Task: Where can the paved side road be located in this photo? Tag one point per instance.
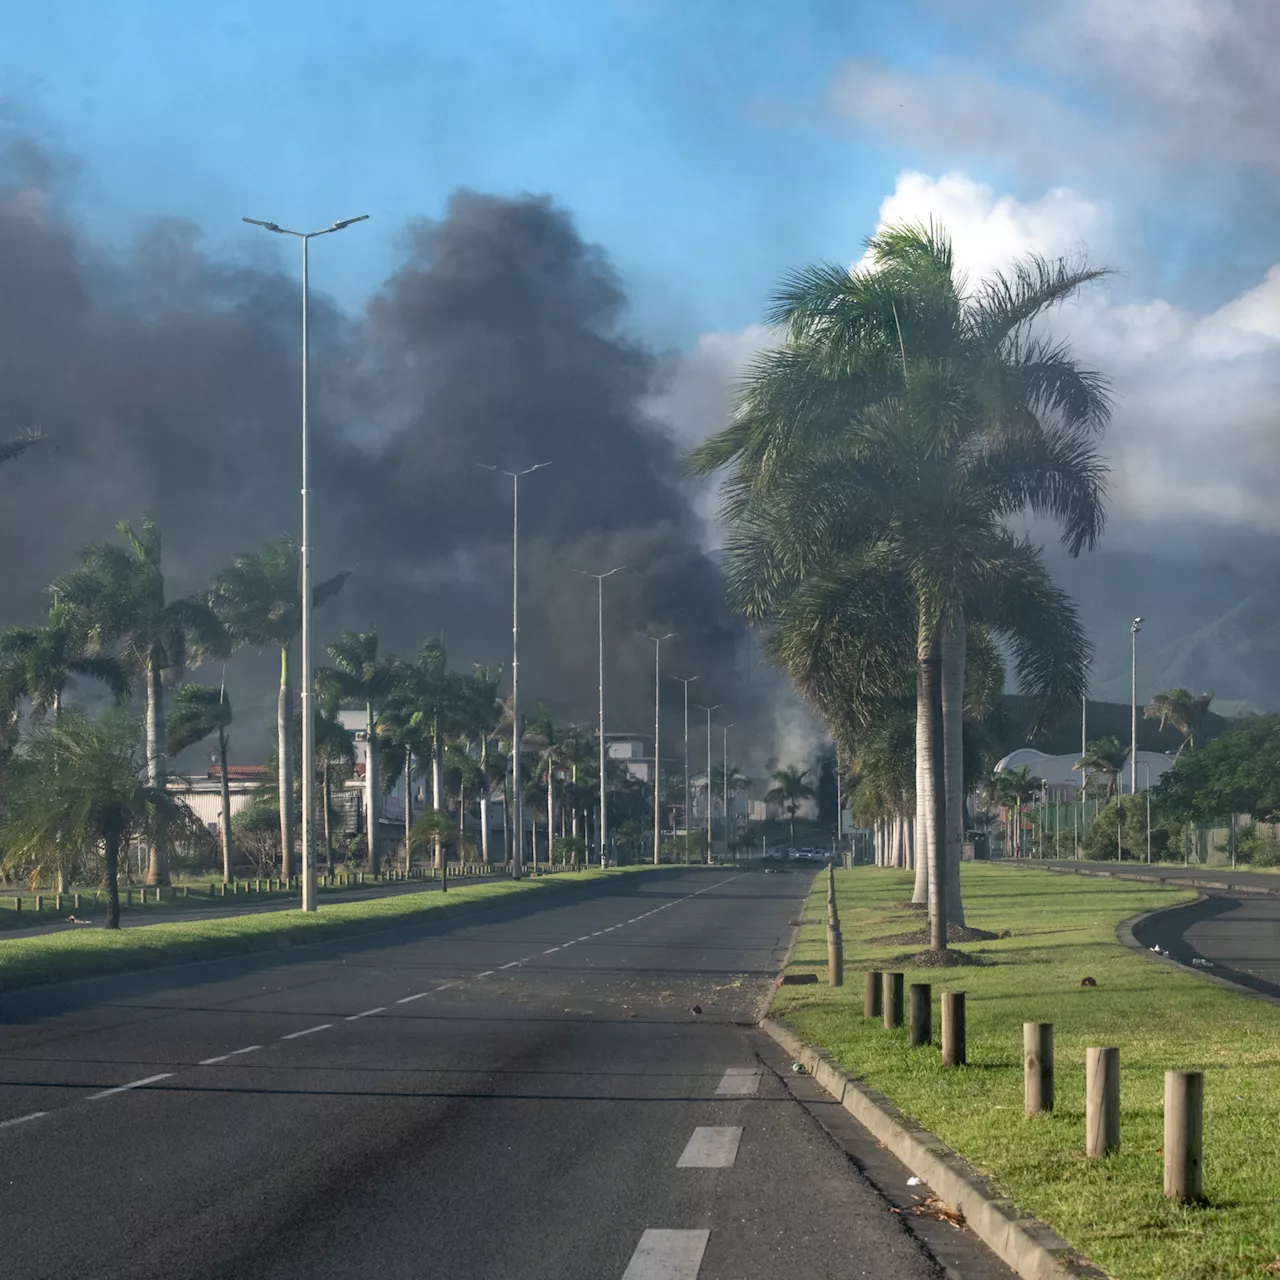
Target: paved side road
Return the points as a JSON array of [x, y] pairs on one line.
[[565, 1090]]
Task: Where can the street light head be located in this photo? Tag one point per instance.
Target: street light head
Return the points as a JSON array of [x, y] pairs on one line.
[[346, 222], [1137, 625], [257, 222]]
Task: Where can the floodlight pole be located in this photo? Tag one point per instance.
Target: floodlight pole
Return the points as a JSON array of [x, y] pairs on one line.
[[657, 739], [686, 684], [1133, 750], [709, 710], [604, 816]]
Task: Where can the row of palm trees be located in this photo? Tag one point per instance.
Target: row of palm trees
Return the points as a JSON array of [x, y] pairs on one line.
[[876, 464]]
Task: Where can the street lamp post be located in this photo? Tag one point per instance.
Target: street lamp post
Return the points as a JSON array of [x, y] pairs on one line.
[[686, 684], [304, 555], [1146, 764], [657, 741], [1084, 717], [709, 710], [517, 797], [600, 577], [1133, 749], [725, 783]]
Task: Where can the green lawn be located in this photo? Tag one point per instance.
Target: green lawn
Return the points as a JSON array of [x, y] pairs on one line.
[[1162, 1018], [87, 953]]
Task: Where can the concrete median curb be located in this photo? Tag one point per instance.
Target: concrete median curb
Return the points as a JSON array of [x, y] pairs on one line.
[[1020, 1241]]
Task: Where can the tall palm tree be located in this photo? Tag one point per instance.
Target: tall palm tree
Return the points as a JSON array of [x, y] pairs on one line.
[[1185, 711], [546, 736], [118, 594], [363, 675], [259, 601], [404, 735], [42, 661], [904, 422], [481, 714], [99, 795], [199, 710], [790, 790], [1105, 756], [335, 760]]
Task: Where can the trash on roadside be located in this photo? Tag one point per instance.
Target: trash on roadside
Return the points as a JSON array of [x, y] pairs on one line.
[[1202, 964], [697, 1008], [913, 1181], [798, 1068]]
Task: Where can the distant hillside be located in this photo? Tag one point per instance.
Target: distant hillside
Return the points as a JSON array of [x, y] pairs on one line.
[[1105, 718]]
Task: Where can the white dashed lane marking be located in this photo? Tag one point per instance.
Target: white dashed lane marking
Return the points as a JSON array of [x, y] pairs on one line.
[[133, 1084], [235, 1053], [512, 965], [488, 973], [34, 1115], [711, 1147], [368, 1013], [296, 1035], [667, 1255], [739, 1082]]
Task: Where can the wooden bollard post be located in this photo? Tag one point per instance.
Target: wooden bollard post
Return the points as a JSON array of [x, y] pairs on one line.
[[871, 1000], [1102, 1101], [75, 902], [892, 1000], [835, 958], [953, 1038], [920, 1014], [1183, 1134], [1037, 1067]]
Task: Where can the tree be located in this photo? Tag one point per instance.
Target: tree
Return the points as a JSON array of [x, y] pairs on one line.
[[335, 760], [885, 447], [1185, 711], [1238, 772], [259, 601], [1012, 788], [118, 595], [790, 790], [42, 661], [480, 714], [1105, 756], [85, 784], [363, 675], [199, 710]]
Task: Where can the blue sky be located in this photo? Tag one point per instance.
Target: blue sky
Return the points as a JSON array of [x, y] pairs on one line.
[[694, 141]]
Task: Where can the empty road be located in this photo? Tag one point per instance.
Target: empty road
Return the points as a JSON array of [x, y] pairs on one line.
[[525, 1092]]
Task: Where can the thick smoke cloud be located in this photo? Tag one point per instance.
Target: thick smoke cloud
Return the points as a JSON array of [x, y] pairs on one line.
[[169, 380]]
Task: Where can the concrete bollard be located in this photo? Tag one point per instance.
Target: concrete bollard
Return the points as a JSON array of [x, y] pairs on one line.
[[1037, 1067], [871, 1000], [835, 958], [1183, 1134], [75, 902], [17, 903], [57, 902], [920, 1014], [1102, 1101], [39, 903], [892, 1000], [186, 891], [954, 1050]]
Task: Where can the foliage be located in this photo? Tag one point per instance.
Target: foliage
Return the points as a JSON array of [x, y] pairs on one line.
[[1123, 821], [1185, 711], [40, 662], [256, 831], [1105, 757], [1238, 772]]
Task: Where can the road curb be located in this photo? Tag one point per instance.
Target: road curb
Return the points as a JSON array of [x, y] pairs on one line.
[[1217, 886], [1022, 1242]]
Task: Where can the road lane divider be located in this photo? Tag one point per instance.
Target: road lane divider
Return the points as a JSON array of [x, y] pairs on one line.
[[222, 1057], [711, 1147], [667, 1255], [309, 1031], [368, 1013], [33, 1115], [133, 1084]]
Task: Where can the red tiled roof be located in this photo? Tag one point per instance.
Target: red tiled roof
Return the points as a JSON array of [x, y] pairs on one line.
[[240, 771]]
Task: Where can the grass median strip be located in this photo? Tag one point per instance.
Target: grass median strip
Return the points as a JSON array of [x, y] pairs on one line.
[[1062, 930], [56, 957]]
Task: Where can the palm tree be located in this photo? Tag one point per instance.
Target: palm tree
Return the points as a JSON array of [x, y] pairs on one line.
[[118, 595], [41, 661], [259, 601], [790, 790], [199, 710], [885, 447], [547, 738], [1185, 711], [335, 759], [1105, 756], [10, 449], [86, 784], [480, 714], [361, 674]]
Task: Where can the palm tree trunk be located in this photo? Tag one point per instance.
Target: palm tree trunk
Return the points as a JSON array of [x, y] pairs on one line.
[[371, 786], [506, 830], [574, 832], [112, 843], [920, 893], [435, 784], [485, 788], [326, 799], [911, 841], [551, 808], [284, 764], [157, 863], [226, 806], [929, 709], [953, 665], [408, 808]]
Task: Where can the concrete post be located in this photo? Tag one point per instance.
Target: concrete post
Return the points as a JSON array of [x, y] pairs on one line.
[[1102, 1101], [920, 1014], [871, 1000], [892, 1000], [835, 958], [1037, 1067]]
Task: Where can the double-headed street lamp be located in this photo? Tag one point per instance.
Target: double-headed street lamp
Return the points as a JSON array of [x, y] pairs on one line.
[[600, 577], [517, 792], [686, 682], [304, 554], [657, 740], [709, 710]]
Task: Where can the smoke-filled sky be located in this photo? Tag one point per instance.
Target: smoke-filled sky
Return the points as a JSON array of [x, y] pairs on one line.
[[681, 158]]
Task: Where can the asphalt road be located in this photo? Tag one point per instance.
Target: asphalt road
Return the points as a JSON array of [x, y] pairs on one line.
[[523, 1092]]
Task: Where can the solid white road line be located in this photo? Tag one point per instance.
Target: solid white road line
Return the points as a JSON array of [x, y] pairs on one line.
[[549, 950], [739, 1082], [711, 1147], [488, 973], [208, 1062], [512, 965], [667, 1255], [294, 1035], [368, 1013], [133, 1084], [34, 1115]]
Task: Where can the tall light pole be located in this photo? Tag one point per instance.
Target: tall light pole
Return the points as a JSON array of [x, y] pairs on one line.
[[604, 817], [725, 782], [304, 555], [709, 710], [686, 684], [1146, 764], [657, 740], [517, 795], [1133, 750], [1084, 717]]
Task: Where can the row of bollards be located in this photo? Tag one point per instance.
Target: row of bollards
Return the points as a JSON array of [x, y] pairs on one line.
[[882, 998]]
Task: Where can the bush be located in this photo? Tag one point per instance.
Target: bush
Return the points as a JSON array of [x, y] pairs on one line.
[[1258, 848]]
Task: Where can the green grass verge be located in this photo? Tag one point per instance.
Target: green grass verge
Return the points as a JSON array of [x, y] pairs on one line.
[[1162, 1018], [92, 952]]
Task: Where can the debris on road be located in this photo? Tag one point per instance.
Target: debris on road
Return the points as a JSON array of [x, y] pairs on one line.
[[798, 1068], [913, 1181]]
